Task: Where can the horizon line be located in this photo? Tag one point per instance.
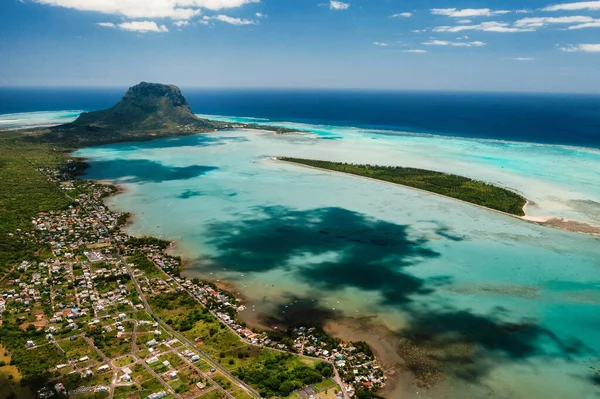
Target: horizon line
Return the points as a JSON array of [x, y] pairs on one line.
[[292, 88]]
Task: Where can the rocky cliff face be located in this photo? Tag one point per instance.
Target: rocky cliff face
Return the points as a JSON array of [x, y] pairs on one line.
[[150, 106]]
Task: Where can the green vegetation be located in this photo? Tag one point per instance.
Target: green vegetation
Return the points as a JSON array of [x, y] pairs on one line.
[[142, 263], [368, 395], [274, 379], [34, 364], [459, 187], [172, 301], [272, 373], [325, 385], [147, 241], [24, 192]]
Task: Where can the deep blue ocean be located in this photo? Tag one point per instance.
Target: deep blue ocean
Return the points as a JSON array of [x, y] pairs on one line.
[[544, 118]]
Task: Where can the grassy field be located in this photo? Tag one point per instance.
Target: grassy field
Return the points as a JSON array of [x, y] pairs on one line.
[[325, 385], [214, 394], [10, 378], [458, 187]]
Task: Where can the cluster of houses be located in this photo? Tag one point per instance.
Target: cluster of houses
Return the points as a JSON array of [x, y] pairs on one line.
[[357, 368]]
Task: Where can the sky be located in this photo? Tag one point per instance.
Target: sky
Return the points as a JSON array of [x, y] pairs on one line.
[[466, 45]]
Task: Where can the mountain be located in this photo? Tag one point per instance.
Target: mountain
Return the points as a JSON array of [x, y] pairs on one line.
[[147, 111], [146, 106]]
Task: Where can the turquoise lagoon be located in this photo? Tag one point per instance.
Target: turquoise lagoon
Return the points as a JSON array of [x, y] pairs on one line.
[[303, 243]]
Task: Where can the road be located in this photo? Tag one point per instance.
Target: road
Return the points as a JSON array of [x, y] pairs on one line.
[[183, 339], [338, 380]]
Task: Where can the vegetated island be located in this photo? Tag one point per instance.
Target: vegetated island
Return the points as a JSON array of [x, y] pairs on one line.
[[449, 185]]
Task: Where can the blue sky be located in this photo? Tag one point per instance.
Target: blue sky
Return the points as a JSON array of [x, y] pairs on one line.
[[525, 45]]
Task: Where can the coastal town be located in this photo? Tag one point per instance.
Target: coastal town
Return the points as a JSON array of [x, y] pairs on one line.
[[108, 315]]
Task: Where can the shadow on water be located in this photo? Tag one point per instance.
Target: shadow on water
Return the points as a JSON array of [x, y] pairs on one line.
[[199, 140], [332, 249], [297, 311], [143, 171], [190, 194]]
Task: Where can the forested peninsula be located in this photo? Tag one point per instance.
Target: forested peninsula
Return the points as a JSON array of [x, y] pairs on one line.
[[449, 185]]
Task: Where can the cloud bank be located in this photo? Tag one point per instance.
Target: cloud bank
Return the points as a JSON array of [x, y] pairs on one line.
[[585, 48], [174, 9]]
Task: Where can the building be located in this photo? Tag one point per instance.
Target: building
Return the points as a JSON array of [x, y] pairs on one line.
[[157, 395]]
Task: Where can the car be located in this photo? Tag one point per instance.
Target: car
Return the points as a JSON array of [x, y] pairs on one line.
[[213, 370]]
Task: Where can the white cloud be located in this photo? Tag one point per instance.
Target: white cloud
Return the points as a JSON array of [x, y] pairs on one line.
[[593, 24], [338, 5], [467, 12], [522, 59], [464, 21], [453, 44], [418, 30], [232, 20], [175, 9], [582, 5], [415, 51], [402, 14], [586, 48], [136, 26], [181, 24], [491, 26], [380, 44], [260, 15], [543, 21]]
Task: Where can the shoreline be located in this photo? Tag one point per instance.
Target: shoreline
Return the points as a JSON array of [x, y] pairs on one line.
[[551, 222]]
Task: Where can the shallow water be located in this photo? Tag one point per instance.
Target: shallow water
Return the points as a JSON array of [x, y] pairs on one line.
[[524, 299], [36, 119]]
